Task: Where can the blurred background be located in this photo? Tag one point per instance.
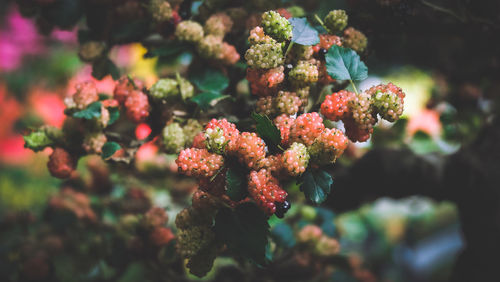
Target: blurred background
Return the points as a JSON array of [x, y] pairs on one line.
[[426, 208]]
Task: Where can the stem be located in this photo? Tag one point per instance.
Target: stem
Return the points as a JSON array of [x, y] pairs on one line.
[[289, 48], [320, 21], [353, 86], [444, 10]]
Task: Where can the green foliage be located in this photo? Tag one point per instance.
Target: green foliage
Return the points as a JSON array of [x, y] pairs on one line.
[[345, 64], [244, 230], [92, 111], [109, 149], [209, 80], [283, 235], [303, 32], [37, 140], [267, 131], [236, 181], [206, 99], [316, 185], [114, 114]]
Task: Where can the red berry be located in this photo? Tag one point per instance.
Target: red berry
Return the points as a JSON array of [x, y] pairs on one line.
[[329, 145], [326, 41], [354, 132], [335, 107], [124, 86], [284, 122], [221, 135], [161, 236], [265, 190], [199, 162], [137, 106], [306, 128], [61, 164]]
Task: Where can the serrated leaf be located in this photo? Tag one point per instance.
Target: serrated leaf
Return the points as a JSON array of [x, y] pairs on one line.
[[244, 230], [209, 80], [92, 111], [114, 114], [345, 64], [282, 234], [303, 32], [109, 149], [267, 131], [316, 185], [37, 141], [205, 99], [236, 181]]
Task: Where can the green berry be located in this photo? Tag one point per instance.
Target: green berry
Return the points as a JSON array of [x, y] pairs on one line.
[[276, 26], [304, 74], [191, 129], [189, 31], [161, 10], [218, 24], [264, 56], [296, 159], [336, 21], [211, 47], [355, 40], [287, 103], [173, 138], [164, 88], [186, 88]]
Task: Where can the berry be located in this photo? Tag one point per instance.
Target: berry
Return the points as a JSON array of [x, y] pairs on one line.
[[361, 107], [156, 216], [306, 128], [296, 159], [284, 123], [199, 162], [218, 24], [329, 145], [304, 74], [282, 208], [355, 40], [310, 233], [276, 26], [300, 52], [164, 88], [264, 56], [86, 94], [265, 190], [93, 142], [326, 41], [199, 141], [161, 236], [265, 82], [284, 13], [287, 103], [273, 164], [91, 51], [327, 246], [354, 132], [185, 88], [189, 31], [211, 47], [229, 54], [251, 150], [336, 106], [161, 10], [137, 106], [324, 77], [221, 136], [265, 106], [336, 21], [204, 201], [388, 100], [173, 138], [215, 186], [303, 94], [61, 164], [257, 36], [124, 86], [192, 129]]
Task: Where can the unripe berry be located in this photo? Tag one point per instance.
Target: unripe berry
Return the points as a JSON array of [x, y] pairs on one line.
[[355, 40], [86, 94], [265, 106], [191, 129], [124, 86], [218, 24], [284, 123], [329, 145], [276, 26], [327, 246], [310, 234], [211, 47], [93, 142], [361, 107], [193, 239], [173, 138], [388, 101], [199, 162], [296, 159], [257, 36], [354, 132], [61, 164], [90, 51], [251, 150], [303, 94], [160, 10], [137, 106], [221, 136], [306, 128], [300, 52], [287, 103], [336, 21], [164, 88], [264, 56], [304, 74], [189, 31], [336, 106]]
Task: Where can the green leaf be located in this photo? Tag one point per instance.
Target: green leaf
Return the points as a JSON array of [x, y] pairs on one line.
[[282, 234], [171, 49], [268, 131], [345, 64], [316, 185], [236, 181], [303, 32], [114, 114], [244, 230], [103, 67], [109, 149], [37, 141], [209, 80], [92, 111], [205, 99]]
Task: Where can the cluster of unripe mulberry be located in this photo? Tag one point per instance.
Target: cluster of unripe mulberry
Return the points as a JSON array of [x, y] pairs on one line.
[[281, 73]]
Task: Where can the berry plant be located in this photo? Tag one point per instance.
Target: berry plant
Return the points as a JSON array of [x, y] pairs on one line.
[[246, 149]]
